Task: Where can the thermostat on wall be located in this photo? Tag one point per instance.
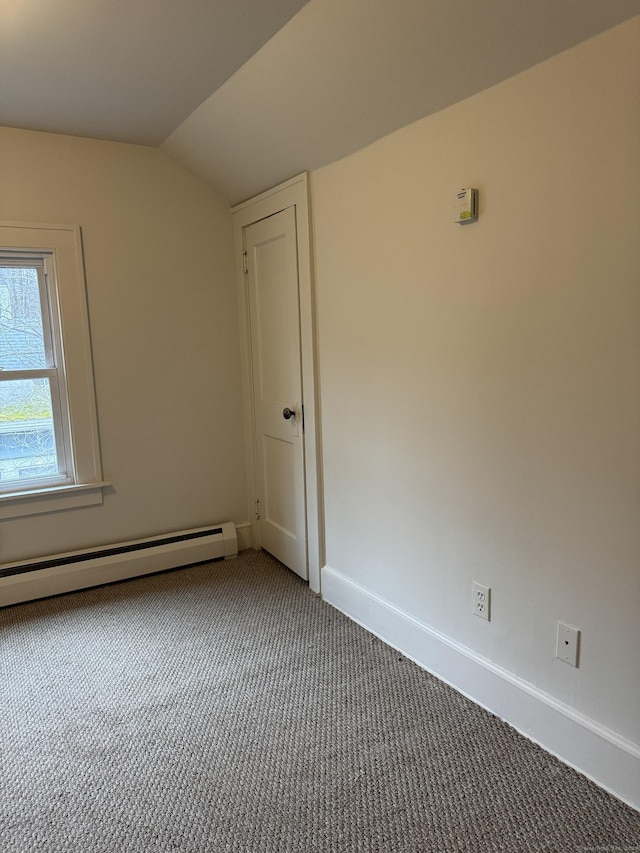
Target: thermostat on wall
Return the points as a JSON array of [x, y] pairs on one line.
[[466, 206]]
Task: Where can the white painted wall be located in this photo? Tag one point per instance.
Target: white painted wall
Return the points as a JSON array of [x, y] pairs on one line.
[[162, 303], [481, 385]]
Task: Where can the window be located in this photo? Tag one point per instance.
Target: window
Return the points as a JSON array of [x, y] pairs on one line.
[[33, 429], [49, 456]]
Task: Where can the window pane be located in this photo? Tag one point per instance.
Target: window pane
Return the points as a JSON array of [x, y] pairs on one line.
[[21, 335], [27, 444]]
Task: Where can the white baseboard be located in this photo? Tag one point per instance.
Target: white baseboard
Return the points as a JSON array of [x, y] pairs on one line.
[[605, 757]]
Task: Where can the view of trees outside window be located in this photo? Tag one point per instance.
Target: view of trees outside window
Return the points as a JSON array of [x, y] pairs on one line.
[[27, 444]]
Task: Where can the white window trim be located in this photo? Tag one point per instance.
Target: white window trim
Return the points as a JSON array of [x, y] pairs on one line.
[[64, 241]]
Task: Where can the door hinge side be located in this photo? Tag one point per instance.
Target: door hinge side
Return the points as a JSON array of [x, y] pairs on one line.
[[257, 502], [245, 266]]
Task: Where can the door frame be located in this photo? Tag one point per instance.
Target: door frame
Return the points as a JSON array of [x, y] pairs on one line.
[[291, 193]]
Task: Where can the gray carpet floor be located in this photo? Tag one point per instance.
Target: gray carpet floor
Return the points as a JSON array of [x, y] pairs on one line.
[[225, 707]]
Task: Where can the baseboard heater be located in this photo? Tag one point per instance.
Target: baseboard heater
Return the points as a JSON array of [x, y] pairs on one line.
[[60, 573]]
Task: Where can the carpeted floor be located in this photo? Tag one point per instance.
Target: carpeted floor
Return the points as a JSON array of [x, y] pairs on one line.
[[224, 707]]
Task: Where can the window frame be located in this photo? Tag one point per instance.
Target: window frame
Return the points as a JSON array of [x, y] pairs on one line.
[[43, 264], [75, 414]]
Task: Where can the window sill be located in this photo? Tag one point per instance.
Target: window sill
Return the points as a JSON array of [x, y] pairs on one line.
[[51, 499]]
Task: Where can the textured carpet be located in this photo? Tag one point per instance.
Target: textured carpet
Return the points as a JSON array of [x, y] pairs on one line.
[[224, 707]]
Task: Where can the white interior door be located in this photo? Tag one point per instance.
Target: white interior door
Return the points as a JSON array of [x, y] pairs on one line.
[[271, 265]]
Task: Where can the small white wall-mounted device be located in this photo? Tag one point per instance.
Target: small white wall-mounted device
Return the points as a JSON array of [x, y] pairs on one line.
[[466, 206], [567, 642]]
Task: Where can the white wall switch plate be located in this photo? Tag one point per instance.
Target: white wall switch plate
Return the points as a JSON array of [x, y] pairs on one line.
[[567, 642]]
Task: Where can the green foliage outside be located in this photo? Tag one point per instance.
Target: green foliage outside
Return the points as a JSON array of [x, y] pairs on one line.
[[26, 412]]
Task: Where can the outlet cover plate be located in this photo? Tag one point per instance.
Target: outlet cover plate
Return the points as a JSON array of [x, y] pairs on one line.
[[481, 605], [567, 642]]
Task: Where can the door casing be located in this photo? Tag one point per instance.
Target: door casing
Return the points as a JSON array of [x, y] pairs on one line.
[[292, 193]]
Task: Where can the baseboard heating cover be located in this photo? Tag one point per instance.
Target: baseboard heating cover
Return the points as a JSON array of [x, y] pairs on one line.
[[39, 578]]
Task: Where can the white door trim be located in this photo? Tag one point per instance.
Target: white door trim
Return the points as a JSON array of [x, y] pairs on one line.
[[292, 193]]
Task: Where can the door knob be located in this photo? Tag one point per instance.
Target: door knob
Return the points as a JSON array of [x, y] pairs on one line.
[[288, 413]]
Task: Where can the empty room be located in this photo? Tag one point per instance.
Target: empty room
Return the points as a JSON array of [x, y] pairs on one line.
[[320, 426]]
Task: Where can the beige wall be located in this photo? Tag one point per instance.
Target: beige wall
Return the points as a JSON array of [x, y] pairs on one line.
[[480, 384], [162, 303]]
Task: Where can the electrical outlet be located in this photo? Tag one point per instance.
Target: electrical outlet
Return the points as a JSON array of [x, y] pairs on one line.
[[567, 642], [482, 600]]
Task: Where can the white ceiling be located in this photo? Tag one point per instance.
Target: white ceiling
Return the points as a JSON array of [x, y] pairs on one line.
[[244, 99], [127, 70]]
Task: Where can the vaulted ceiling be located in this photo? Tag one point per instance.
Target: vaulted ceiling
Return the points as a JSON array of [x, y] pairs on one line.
[[246, 93], [125, 70]]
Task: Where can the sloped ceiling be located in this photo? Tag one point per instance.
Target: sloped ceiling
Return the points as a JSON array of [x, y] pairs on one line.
[[344, 73], [125, 70], [246, 93]]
